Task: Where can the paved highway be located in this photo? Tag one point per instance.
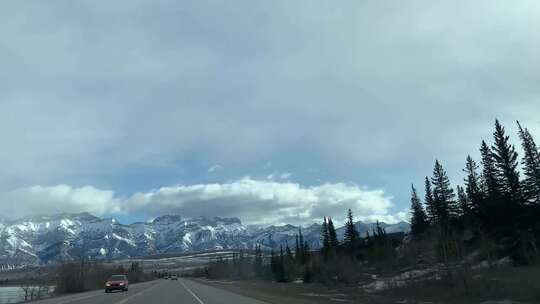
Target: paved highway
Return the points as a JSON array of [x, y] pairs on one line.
[[157, 292]]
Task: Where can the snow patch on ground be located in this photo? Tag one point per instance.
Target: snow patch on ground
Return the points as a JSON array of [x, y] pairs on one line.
[[402, 279]]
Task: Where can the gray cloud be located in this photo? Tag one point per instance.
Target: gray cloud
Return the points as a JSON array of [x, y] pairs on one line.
[[91, 90]]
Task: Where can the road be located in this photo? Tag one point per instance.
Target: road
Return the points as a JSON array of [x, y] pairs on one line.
[[159, 292]]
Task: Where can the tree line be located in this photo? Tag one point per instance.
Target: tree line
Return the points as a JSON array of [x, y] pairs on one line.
[[335, 261], [81, 276], [499, 200], [495, 212]]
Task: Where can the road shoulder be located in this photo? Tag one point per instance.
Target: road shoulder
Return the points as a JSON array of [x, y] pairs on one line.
[[291, 293]]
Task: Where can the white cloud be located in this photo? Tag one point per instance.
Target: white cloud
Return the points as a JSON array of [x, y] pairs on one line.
[[57, 199], [253, 201], [214, 168], [275, 175], [285, 175], [266, 201]]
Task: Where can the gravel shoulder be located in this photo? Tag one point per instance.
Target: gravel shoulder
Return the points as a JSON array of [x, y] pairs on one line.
[[292, 293]]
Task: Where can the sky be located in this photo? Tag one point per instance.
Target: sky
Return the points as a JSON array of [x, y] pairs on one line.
[[270, 111]]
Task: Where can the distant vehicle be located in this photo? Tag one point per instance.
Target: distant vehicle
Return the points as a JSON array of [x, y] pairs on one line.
[[117, 282], [174, 277]]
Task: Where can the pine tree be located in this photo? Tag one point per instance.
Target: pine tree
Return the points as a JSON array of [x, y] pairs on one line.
[[306, 251], [281, 269], [302, 252], [473, 185], [325, 240], [297, 252], [334, 243], [506, 163], [288, 251], [419, 222], [489, 173], [443, 195], [258, 265], [274, 264], [431, 210], [464, 204], [531, 166], [351, 234]]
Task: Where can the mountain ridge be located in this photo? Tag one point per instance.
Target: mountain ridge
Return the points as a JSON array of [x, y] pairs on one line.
[[49, 239]]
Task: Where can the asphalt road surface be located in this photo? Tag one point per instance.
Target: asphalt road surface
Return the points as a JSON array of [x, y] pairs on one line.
[[157, 292]]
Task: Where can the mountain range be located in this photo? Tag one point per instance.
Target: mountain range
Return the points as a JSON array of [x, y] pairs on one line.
[[48, 239]]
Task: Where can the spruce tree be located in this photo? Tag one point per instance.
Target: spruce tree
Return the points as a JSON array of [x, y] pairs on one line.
[[489, 173], [506, 163], [306, 252], [473, 185], [464, 204], [431, 210], [288, 252], [258, 265], [419, 222], [297, 250], [443, 195], [325, 240], [281, 275], [334, 243], [303, 252], [351, 234], [531, 166]]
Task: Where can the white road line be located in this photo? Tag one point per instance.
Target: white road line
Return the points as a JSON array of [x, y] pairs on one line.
[[123, 301], [192, 293]]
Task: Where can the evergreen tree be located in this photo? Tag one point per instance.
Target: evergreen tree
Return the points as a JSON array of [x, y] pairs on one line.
[[306, 252], [506, 163], [325, 240], [473, 185], [274, 267], [489, 173], [334, 243], [430, 202], [302, 252], [297, 250], [419, 222], [288, 252], [282, 271], [351, 234], [443, 195], [258, 264], [531, 166], [464, 204]]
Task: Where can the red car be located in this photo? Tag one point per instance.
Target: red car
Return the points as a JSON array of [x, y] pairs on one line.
[[117, 282]]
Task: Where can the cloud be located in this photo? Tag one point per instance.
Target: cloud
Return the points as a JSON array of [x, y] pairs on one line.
[[285, 175], [214, 168], [364, 91], [39, 200], [274, 175], [253, 201]]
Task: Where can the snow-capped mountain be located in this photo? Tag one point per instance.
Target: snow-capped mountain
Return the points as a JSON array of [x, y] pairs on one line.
[[49, 239]]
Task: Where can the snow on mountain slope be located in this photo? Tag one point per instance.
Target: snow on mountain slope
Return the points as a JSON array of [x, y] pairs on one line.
[[49, 239]]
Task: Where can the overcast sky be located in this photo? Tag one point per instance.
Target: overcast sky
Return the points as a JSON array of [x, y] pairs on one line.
[[270, 111]]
